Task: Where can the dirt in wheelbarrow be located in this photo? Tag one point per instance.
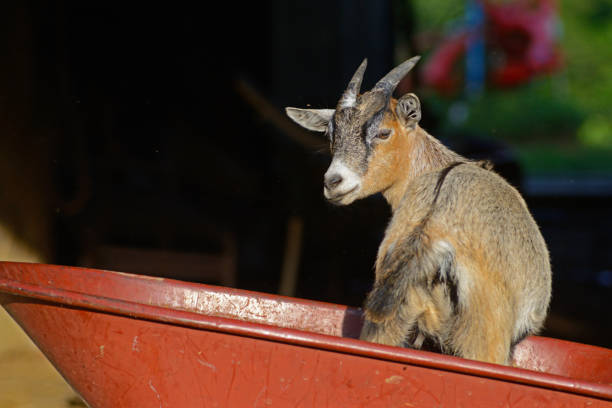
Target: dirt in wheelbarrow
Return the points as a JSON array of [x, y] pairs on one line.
[[27, 378]]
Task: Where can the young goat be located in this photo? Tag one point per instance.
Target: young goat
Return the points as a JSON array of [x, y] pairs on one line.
[[463, 268]]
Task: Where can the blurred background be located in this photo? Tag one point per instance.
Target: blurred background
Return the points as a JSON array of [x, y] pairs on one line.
[[151, 139]]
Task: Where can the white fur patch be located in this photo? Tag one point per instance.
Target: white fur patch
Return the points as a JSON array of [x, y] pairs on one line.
[[462, 275], [443, 246], [351, 182], [444, 252]]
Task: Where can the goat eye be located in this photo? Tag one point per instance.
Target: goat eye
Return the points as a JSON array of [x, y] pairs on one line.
[[384, 134]]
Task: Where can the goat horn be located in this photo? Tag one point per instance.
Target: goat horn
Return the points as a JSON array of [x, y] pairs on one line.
[[350, 94], [388, 83]]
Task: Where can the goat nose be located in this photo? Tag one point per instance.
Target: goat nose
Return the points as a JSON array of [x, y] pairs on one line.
[[332, 181]]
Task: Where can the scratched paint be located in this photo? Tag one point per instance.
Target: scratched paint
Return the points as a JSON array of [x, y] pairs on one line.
[[156, 393], [179, 366], [135, 344], [394, 379], [206, 364], [279, 312]]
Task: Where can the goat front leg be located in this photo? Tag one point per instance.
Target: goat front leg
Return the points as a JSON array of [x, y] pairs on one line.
[[391, 332], [392, 308]]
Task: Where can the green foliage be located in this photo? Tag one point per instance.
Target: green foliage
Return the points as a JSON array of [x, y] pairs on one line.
[[532, 113], [596, 131], [570, 112], [546, 159], [587, 45], [435, 15]]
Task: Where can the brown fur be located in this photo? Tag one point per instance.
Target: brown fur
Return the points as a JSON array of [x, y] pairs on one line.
[[500, 256], [462, 268]]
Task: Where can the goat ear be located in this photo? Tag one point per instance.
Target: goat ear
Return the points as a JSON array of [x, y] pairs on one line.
[[311, 119], [408, 109]]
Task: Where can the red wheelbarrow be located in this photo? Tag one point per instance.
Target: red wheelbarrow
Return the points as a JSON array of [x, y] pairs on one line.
[[126, 340]]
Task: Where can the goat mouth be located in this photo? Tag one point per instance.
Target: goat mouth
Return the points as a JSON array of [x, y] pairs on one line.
[[337, 199]]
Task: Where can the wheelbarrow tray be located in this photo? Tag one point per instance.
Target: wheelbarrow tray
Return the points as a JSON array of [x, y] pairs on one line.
[[123, 340]]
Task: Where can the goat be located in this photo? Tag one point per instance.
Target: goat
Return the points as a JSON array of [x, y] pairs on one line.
[[463, 268]]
